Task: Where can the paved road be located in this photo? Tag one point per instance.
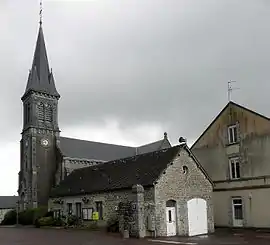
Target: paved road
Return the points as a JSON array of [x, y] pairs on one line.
[[33, 236]]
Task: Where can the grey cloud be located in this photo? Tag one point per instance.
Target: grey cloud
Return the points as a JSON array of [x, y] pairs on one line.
[[140, 62]]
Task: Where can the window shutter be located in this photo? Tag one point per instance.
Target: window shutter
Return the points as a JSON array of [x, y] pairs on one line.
[[40, 112], [48, 113]]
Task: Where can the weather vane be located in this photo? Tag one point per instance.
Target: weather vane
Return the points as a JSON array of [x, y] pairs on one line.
[[40, 12]]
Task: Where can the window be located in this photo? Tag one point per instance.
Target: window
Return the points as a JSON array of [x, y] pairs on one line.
[[78, 209], [40, 112], [48, 113], [232, 134], [237, 208], [57, 213], [185, 169], [87, 213], [234, 168], [99, 209], [27, 113], [69, 208], [170, 216]]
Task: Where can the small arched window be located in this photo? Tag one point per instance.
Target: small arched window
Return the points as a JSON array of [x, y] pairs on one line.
[[40, 111], [185, 170], [48, 113]]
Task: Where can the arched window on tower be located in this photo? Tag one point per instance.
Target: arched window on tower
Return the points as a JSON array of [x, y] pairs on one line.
[[48, 113], [40, 111]]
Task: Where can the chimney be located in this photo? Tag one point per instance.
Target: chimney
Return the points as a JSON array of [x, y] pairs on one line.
[[165, 135], [182, 141]]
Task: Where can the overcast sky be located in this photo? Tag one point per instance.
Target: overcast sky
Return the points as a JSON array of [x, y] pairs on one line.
[[129, 70]]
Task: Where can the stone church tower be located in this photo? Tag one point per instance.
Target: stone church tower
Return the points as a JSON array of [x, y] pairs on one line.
[[40, 133]]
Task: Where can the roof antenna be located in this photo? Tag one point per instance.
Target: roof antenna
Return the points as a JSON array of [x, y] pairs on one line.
[[230, 89], [40, 12]]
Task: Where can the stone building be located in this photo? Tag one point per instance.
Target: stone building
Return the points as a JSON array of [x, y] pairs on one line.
[[169, 190], [234, 150], [7, 203], [46, 157]]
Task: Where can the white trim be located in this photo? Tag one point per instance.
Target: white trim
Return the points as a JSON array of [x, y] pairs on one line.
[[232, 160], [240, 224], [231, 141]]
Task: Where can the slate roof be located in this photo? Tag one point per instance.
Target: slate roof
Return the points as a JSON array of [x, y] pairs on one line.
[[83, 149], [8, 202], [142, 169], [40, 78]]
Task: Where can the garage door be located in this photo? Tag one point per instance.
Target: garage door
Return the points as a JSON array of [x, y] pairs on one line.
[[197, 217]]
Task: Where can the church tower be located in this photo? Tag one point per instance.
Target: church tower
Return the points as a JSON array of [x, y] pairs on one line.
[[40, 133]]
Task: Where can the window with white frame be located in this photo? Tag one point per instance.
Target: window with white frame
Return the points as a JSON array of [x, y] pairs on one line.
[[87, 213], [234, 168], [232, 134]]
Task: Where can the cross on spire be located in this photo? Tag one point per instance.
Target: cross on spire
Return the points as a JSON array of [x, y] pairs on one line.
[[40, 12]]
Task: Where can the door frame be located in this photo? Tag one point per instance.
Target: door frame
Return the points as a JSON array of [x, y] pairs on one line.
[[233, 212], [171, 205], [195, 201]]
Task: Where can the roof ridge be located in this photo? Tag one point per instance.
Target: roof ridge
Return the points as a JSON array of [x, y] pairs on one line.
[[128, 158], [97, 142], [217, 116]]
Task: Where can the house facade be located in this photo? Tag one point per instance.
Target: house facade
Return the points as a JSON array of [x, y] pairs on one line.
[[171, 193], [234, 150]]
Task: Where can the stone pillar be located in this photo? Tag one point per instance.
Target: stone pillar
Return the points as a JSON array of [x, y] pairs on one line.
[[138, 226]]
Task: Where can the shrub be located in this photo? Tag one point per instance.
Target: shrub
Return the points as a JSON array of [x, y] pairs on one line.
[[10, 218], [26, 217], [45, 221], [30, 216], [72, 220], [58, 222], [113, 225]]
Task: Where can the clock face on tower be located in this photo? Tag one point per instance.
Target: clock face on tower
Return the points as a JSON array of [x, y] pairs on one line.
[[45, 142]]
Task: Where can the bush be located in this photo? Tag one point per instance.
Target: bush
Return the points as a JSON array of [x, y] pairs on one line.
[[72, 220], [26, 217], [113, 225], [58, 222], [30, 216], [45, 221], [10, 218]]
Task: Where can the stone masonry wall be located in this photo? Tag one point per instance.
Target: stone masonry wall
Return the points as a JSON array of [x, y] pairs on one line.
[[176, 185], [110, 202]]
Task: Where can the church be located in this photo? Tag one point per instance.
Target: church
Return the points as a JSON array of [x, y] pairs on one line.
[[47, 158]]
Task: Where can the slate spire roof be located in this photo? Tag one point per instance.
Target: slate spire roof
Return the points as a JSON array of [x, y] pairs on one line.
[[40, 78]]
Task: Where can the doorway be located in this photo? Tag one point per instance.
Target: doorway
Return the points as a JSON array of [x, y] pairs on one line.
[[197, 217], [171, 217], [237, 212]]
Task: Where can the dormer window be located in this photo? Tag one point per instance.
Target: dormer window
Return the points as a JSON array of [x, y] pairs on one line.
[[232, 134]]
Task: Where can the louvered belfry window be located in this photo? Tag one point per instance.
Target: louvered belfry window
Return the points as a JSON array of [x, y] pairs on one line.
[[48, 113], [41, 112]]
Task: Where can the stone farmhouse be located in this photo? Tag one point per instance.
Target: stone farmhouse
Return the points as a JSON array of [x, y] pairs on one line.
[[171, 193], [234, 150]]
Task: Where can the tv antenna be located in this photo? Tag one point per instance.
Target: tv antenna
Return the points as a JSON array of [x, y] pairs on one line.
[[230, 89]]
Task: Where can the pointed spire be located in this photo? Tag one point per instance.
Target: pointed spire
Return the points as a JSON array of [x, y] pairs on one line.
[[40, 13], [40, 77]]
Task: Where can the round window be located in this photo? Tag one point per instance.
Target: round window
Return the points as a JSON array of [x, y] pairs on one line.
[[185, 169]]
